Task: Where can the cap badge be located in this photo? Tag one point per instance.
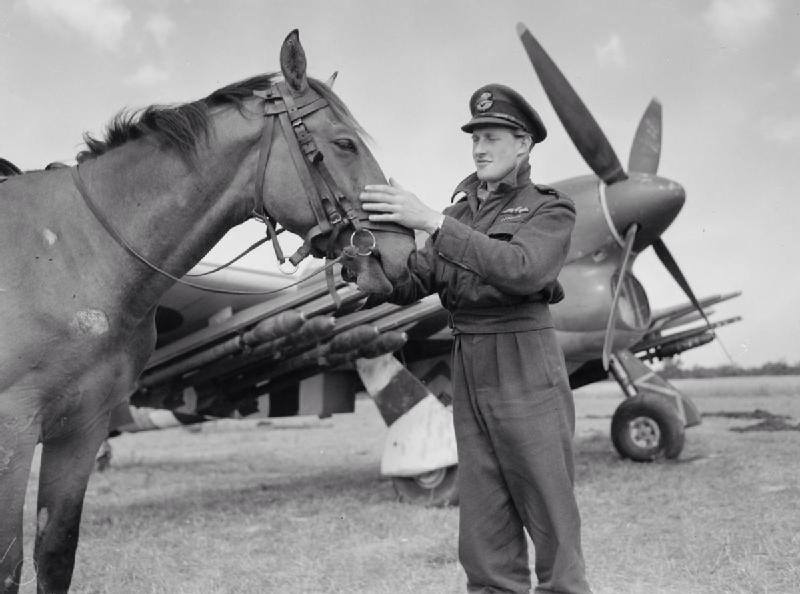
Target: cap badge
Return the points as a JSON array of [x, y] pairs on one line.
[[484, 102]]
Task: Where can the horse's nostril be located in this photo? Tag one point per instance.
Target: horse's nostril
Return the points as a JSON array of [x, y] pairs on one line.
[[349, 275]]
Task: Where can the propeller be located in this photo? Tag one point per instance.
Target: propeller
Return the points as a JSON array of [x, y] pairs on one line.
[[582, 128], [672, 266], [594, 147]]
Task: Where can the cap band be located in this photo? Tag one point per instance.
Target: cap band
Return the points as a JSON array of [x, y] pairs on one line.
[[500, 116]]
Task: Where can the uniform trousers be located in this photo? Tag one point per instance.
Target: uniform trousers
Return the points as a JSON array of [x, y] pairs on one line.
[[514, 419]]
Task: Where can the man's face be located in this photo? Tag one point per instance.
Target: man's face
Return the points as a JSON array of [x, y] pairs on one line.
[[496, 151]]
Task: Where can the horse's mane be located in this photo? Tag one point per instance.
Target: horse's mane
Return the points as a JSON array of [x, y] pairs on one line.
[[179, 127]]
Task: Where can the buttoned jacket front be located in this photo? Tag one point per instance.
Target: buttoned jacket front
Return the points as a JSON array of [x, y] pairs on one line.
[[495, 259]]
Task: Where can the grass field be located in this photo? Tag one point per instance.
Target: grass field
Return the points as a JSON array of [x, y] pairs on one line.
[[297, 505]]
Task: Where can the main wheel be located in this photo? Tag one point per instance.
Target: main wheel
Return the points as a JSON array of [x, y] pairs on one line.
[[645, 428], [437, 488]]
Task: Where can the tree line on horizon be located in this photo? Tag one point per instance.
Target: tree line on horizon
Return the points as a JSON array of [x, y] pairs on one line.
[[673, 369]]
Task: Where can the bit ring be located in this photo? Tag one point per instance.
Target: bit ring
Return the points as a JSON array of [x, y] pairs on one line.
[[370, 248]]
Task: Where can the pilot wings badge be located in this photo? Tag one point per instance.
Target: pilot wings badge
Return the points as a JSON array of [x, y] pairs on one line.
[[516, 210]]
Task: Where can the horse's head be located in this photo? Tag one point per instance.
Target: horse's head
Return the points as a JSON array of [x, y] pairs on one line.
[[313, 165]]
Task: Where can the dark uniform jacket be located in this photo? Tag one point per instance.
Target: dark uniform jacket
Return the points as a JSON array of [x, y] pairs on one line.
[[494, 262]]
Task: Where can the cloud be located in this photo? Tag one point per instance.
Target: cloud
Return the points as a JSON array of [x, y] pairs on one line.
[[146, 76], [781, 129], [796, 71], [103, 21], [160, 26], [612, 53], [738, 21]]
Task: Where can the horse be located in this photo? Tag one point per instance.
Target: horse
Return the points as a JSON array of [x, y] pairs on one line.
[[87, 252]]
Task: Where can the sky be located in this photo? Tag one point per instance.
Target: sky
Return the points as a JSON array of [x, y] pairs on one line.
[[726, 71]]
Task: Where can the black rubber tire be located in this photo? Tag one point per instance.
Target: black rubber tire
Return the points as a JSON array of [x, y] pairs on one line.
[[434, 489], [645, 428]]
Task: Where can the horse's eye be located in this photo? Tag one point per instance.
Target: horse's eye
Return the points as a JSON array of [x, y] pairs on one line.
[[346, 145]]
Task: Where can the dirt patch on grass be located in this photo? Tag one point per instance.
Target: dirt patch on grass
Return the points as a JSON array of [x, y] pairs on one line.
[[768, 421], [756, 414], [771, 424]]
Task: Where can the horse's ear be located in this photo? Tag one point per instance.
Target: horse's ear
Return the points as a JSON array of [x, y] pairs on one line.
[[332, 79], [293, 63]]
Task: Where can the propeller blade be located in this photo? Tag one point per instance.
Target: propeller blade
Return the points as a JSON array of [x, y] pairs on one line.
[[582, 128], [646, 147], [608, 342], [672, 266]]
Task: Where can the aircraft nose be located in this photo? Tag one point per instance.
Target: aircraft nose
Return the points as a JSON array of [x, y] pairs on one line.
[[651, 201]]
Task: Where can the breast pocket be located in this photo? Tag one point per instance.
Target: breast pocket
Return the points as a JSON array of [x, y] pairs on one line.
[[504, 230]]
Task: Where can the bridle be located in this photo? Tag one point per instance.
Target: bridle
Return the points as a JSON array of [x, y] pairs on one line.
[[332, 208]]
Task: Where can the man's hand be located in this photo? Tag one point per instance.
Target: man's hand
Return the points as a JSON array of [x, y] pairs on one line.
[[395, 204]]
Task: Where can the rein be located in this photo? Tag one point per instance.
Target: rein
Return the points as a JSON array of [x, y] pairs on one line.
[[76, 177], [331, 207]]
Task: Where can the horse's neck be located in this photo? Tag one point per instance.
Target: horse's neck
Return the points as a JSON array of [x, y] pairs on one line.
[[171, 212]]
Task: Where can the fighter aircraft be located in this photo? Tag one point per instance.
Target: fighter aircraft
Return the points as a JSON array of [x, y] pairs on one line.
[[302, 351]]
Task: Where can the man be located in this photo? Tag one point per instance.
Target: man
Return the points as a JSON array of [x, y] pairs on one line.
[[493, 257]]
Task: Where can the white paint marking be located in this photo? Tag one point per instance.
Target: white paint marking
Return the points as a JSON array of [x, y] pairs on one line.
[[422, 440], [49, 237], [378, 372], [89, 322]]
